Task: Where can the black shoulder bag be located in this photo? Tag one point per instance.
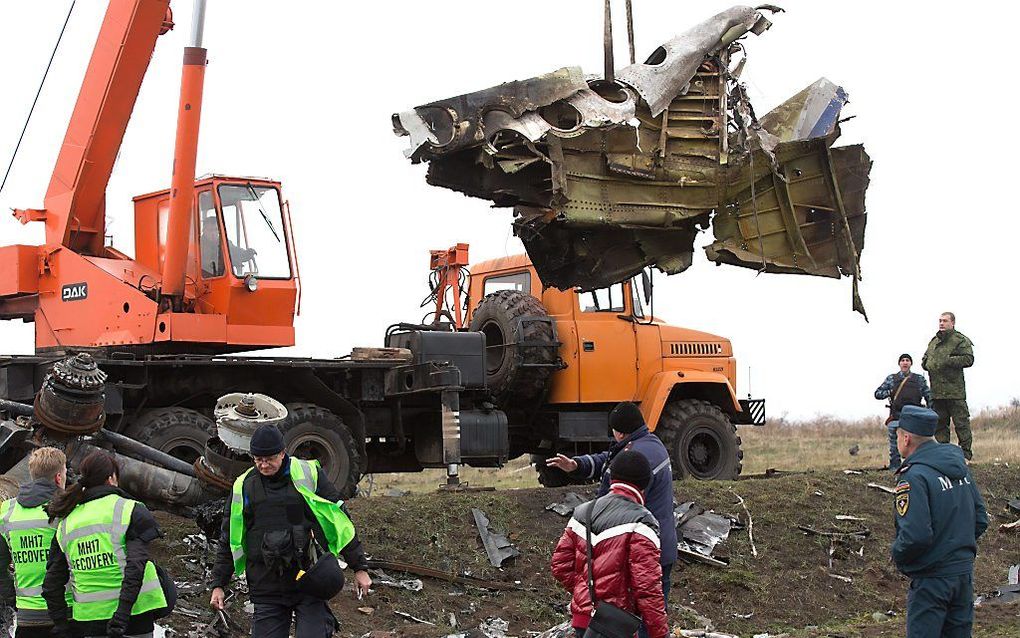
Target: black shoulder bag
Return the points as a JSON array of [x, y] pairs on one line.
[[608, 621]]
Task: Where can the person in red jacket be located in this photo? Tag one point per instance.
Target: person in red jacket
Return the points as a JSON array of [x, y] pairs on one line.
[[625, 548]]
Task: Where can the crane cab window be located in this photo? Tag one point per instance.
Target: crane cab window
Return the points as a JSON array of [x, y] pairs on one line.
[[254, 223], [210, 244], [517, 281], [603, 300]]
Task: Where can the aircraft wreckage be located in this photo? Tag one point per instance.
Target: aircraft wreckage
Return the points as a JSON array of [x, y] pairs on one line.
[[609, 177]]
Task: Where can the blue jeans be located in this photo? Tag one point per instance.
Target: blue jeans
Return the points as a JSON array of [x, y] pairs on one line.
[[666, 570], [894, 454]]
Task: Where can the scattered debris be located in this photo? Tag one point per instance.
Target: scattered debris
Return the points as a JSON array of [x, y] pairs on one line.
[[497, 545], [563, 630], [884, 488], [379, 577], [750, 525], [494, 628], [845, 579], [413, 618], [1010, 527], [418, 570], [566, 508], [701, 633], [700, 532], [852, 472], [859, 534], [702, 621], [1014, 505], [1007, 593], [368, 611], [847, 517], [854, 449]]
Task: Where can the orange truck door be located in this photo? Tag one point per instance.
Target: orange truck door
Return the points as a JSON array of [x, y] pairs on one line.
[[606, 346]]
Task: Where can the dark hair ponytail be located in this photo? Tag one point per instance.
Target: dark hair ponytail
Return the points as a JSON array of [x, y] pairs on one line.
[[93, 471]]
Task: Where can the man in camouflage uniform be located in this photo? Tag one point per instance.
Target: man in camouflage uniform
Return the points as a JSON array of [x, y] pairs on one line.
[[949, 352]]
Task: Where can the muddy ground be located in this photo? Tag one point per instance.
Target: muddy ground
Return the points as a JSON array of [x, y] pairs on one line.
[[789, 587]]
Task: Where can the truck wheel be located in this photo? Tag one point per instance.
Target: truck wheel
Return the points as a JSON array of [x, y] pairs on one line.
[[314, 433], [702, 442], [511, 372], [179, 432], [549, 476]]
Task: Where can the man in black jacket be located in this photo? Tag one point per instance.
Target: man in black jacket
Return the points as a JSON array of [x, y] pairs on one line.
[[279, 528], [901, 388]]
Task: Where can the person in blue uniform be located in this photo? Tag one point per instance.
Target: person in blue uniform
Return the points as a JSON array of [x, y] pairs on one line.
[[939, 516]]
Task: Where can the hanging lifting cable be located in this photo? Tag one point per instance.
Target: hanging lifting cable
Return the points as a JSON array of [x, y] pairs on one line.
[[37, 93]]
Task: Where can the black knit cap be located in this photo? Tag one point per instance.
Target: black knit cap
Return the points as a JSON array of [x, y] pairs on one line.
[[905, 356], [626, 417], [267, 441], [631, 467]]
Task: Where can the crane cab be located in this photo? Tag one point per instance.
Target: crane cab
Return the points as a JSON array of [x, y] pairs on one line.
[[241, 288]]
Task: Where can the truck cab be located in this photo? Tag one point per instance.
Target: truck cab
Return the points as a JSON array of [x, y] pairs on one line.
[[611, 349]]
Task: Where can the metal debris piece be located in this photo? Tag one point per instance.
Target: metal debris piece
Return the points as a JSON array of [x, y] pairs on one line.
[[379, 577], [847, 517], [497, 545], [750, 524], [368, 611], [563, 630], [701, 532], [852, 472], [1014, 505], [566, 508], [845, 579], [1008, 593], [607, 178], [884, 488], [494, 628], [413, 618], [859, 534], [410, 568]]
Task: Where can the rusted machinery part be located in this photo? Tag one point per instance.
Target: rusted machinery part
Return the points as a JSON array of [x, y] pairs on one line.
[[153, 485], [239, 414], [131, 446], [71, 399], [220, 466], [61, 415], [15, 409], [210, 478]]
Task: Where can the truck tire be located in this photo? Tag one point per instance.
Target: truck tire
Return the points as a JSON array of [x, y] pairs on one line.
[[314, 433], [514, 374], [549, 476], [702, 442], [179, 432]]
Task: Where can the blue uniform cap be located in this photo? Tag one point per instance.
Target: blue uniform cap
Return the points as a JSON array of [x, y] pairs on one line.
[[918, 420]]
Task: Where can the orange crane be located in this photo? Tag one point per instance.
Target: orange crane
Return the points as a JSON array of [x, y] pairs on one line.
[[214, 268]]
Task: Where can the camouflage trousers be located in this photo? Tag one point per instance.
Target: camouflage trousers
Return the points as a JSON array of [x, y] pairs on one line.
[[955, 409]]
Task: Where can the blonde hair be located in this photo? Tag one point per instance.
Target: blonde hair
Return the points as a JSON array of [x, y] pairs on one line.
[[46, 462]]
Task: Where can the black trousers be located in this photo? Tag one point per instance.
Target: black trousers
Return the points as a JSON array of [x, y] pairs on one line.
[[30, 631], [311, 616]]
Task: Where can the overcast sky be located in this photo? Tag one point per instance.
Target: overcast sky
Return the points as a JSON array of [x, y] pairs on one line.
[[303, 92]]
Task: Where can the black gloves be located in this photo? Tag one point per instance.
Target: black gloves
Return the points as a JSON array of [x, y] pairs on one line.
[[118, 624]]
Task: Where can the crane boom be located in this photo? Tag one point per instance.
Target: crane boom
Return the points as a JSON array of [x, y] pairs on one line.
[[75, 202]]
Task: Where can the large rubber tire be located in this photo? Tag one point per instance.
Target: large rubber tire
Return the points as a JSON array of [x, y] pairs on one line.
[[497, 318], [179, 432], [315, 433], [701, 440], [549, 476]]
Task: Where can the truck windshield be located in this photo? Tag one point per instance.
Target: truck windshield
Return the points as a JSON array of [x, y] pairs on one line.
[[254, 225]]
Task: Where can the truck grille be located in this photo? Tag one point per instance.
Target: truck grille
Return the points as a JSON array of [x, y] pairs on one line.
[[695, 349]]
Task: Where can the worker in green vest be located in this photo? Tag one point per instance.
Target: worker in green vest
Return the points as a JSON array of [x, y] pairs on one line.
[[25, 537], [101, 546], [281, 517]]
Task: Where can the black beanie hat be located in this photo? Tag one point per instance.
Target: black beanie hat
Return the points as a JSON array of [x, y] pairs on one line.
[[631, 467], [266, 441], [905, 356], [626, 417]]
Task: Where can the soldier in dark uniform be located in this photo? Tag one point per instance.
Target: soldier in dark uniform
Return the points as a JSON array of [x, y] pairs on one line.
[[949, 352], [901, 388], [939, 516]]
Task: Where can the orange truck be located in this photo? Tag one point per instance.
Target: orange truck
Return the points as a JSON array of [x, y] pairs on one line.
[[557, 361], [215, 272]]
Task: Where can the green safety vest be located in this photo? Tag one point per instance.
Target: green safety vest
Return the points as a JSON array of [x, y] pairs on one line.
[[337, 527], [29, 534], [93, 538]]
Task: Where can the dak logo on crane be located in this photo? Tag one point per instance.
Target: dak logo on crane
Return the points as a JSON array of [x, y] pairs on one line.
[[74, 292]]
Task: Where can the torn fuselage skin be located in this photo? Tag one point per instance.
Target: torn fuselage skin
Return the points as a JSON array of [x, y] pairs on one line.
[[608, 178]]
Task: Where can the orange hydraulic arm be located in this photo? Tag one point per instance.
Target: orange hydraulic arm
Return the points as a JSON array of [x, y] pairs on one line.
[[75, 203]]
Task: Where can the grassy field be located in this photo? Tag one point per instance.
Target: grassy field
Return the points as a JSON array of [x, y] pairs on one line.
[[820, 443]]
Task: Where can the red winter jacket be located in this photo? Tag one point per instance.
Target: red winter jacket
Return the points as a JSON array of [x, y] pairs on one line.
[[625, 541]]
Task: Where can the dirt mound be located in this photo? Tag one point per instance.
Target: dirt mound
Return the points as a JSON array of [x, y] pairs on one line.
[[789, 587]]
